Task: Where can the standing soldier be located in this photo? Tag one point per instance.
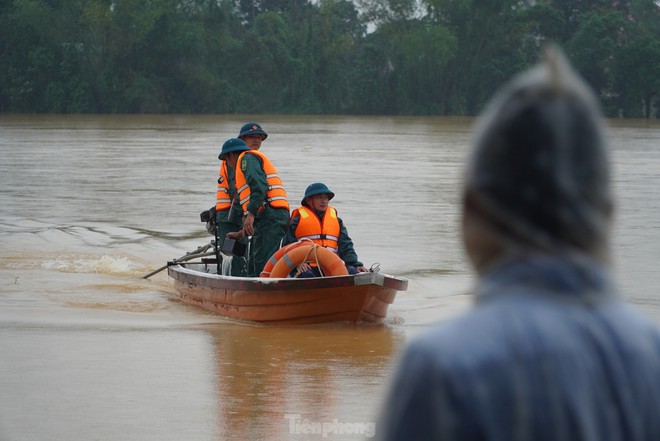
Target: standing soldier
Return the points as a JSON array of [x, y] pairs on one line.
[[253, 135], [263, 203], [229, 216]]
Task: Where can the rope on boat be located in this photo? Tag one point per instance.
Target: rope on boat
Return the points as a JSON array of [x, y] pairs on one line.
[[316, 260]]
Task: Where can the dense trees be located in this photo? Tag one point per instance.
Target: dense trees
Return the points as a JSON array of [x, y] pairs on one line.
[[430, 57]]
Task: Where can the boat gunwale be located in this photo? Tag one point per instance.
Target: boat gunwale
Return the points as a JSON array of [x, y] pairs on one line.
[[178, 271]]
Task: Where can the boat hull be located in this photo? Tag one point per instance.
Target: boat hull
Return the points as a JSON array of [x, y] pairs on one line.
[[363, 297]]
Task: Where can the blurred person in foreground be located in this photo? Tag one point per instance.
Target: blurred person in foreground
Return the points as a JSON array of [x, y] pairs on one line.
[[550, 350]]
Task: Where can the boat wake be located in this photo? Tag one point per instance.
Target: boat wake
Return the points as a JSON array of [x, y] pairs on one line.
[[73, 263], [103, 265], [428, 272], [100, 248]]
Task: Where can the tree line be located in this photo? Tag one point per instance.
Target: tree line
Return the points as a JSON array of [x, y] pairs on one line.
[[393, 57]]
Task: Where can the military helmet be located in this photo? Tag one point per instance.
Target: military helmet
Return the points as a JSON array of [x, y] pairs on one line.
[[232, 145], [317, 188], [252, 128]]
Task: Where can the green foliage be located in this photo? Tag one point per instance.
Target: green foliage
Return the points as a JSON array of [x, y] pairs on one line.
[[370, 81], [417, 57], [636, 73], [593, 47]]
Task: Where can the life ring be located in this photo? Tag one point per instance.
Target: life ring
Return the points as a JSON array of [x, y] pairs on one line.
[[331, 264], [278, 255]]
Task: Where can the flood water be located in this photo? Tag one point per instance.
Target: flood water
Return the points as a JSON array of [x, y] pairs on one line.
[[89, 204]]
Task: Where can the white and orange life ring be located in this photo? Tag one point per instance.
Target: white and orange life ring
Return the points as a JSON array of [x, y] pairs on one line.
[[329, 262], [278, 255]]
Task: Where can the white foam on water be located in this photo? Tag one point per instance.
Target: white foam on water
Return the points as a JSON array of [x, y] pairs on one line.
[[103, 265]]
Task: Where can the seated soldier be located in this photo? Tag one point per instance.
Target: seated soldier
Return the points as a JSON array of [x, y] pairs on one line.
[[318, 221]]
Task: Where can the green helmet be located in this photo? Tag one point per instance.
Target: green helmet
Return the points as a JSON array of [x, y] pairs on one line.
[[317, 188], [232, 145], [252, 128]]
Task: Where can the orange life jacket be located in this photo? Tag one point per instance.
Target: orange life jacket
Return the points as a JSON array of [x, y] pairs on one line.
[[223, 198], [324, 232], [275, 196]]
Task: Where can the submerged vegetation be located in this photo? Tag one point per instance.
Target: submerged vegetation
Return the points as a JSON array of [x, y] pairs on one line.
[[399, 57]]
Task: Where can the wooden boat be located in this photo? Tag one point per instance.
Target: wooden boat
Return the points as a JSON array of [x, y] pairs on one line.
[[363, 297]]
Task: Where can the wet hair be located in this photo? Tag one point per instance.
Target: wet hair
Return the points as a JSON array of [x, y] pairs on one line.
[[538, 172]]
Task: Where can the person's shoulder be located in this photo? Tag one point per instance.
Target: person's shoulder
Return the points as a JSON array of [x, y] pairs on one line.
[[628, 319], [467, 339], [249, 155], [452, 334], [250, 160], [334, 210]]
